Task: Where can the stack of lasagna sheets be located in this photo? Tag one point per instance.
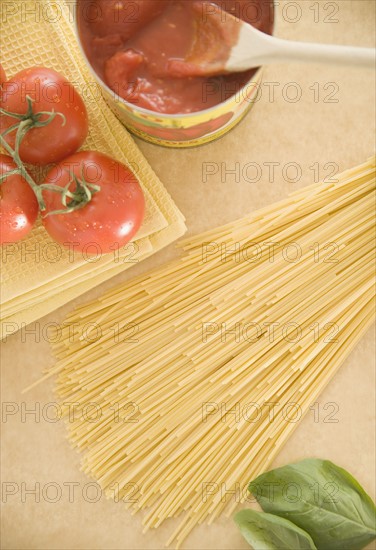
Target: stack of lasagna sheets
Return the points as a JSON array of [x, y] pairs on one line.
[[38, 275]]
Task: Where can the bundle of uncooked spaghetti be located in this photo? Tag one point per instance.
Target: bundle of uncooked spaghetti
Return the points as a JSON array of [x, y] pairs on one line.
[[261, 311]]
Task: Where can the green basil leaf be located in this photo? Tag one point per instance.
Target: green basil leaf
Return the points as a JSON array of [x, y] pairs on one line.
[[321, 498], [268, 532]]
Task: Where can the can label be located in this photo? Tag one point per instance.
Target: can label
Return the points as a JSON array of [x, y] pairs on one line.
[[189, 130]]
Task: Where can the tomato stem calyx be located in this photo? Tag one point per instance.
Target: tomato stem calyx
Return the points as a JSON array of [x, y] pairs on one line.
[[78, 198], [33, 118]]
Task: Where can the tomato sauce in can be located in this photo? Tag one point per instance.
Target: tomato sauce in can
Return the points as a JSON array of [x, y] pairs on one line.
[[128, 44]]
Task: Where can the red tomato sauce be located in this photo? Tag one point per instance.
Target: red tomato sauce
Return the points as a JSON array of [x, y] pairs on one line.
[[129, 43]]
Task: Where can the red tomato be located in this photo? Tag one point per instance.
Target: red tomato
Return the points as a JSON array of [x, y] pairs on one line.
[[50, 92], [18, 204], [110, 219], [3, 76]]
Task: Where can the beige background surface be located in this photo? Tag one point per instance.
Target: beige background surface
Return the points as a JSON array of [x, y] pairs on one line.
[[305, 133]]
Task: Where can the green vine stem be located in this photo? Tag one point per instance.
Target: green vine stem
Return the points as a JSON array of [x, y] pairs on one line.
[[21, 167], [84, 191]]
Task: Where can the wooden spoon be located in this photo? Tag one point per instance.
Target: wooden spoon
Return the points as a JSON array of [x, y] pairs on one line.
[[223, 44]]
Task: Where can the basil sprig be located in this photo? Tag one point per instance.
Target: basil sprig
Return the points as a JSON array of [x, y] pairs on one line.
[[322, 499], [268, 532]]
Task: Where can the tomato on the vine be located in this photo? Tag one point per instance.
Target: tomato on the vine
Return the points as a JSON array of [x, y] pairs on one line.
[[18, 204], [114, 213], [50, 92]]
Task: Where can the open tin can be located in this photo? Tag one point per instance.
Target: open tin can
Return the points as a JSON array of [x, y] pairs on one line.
[[183, 130]]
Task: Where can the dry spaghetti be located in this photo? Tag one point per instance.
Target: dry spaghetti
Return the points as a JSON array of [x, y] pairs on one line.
[[263, 310]]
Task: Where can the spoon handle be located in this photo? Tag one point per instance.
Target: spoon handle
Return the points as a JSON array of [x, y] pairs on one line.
[[286, 50]]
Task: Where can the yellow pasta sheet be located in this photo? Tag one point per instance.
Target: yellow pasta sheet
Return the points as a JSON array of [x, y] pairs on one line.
[[35, 272]]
